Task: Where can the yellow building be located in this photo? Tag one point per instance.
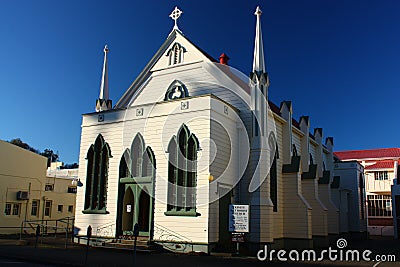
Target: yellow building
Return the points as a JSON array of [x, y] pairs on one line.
[[27, 194]]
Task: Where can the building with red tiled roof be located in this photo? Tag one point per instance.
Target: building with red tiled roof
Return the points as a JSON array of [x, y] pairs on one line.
[[369, 154], [380, 167]]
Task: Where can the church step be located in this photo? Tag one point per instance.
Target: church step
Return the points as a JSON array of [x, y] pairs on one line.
[[127, 245], [124, 247], [140, 240], [142, 246], [129, 237]]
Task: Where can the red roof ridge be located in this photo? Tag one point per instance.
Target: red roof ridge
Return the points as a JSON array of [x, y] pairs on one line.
[[377, 153], [372, 149]]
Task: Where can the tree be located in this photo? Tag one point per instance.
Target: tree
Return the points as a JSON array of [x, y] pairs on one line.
[[20, 143], [70, 166], [50, 155]]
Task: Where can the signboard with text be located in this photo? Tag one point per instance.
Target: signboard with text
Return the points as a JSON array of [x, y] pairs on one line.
[[239, 218], [238, 237]]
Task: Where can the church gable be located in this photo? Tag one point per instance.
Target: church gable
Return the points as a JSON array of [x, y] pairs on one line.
[[180, 51], [176, 52]]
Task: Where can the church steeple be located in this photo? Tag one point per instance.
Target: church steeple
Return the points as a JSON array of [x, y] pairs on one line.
[[103, 103], [259, 87], [258, 60]]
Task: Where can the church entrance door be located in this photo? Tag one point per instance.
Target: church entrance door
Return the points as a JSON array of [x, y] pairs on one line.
[[137, 208]]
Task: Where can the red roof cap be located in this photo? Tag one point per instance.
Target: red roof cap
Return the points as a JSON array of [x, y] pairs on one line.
[[223, 59]]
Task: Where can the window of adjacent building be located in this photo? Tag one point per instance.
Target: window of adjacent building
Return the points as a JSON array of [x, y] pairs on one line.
[[379, 206], [60, 208], [70, 208], [16, 207], [97, 176], [182, 172], [12, 209], [49, 187], [72, 189], [7, 209], [35, 207], [381, 175], [47, 208]]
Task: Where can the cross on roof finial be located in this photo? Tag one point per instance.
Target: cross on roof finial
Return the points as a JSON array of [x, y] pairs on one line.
[[258, 11], [176, 13]]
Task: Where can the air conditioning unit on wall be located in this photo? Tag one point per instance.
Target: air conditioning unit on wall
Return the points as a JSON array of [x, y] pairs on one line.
[[22, 195]]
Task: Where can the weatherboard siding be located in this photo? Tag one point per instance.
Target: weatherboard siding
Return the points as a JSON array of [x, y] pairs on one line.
[[297, 221], [319, 211]]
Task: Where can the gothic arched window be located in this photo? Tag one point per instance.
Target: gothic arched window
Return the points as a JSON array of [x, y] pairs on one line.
[[124, 171], [97, 176], [148, 162], [136, 154], [176, 90], [182, 173], [175, 54], [273, 172]]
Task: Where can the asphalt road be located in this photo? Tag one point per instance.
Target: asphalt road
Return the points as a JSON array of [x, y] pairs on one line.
[[18, 263]]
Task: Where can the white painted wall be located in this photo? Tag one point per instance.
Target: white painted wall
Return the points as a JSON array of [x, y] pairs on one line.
[[349, 181]]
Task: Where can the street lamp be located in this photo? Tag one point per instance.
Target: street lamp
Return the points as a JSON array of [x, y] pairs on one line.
[[77, 182]]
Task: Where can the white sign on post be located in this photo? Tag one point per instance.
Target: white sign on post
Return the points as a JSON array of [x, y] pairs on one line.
[[239, 218], [128, 208]]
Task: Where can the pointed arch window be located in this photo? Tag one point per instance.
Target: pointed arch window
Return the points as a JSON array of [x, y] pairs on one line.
[[143, 160], [176, 90], [123, 165], [97, 177], [182, 174], [137, 151], [175, 54], [294, 151], [273, 178], [137, 164]]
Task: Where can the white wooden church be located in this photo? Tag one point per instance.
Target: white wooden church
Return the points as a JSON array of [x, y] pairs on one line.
[[189, 137]]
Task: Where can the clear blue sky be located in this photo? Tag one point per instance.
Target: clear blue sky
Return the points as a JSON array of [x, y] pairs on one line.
[[337, 60]]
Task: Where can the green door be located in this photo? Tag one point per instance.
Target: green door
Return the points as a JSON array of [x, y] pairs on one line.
[[128, 211], [143, 218], [137, 208]]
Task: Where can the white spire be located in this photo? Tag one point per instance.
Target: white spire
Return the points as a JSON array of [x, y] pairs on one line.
[[103, 103], [175, 14], [104, 77], [258, 61]]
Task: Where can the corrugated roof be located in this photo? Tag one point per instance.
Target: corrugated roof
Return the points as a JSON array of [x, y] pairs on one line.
[[380, 153]]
